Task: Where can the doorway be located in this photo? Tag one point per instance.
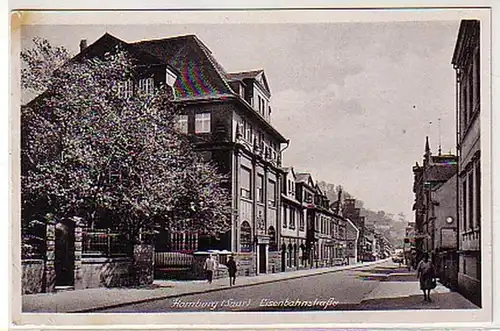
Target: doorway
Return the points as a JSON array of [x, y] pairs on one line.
[[64, 262], [262, 259]]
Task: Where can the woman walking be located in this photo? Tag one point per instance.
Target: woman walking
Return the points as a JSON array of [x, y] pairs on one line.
[[425, 272]]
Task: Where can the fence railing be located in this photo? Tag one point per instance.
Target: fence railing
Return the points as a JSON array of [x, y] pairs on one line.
[[104, 242], [173, 259]]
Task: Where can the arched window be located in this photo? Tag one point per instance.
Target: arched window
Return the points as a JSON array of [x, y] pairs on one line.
[[246, 237], [273, 245]]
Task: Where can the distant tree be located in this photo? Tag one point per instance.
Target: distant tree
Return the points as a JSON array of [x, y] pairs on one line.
[[39, 63], [89, 152]]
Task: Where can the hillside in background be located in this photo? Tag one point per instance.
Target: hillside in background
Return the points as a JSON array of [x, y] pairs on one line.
[[390, 225]]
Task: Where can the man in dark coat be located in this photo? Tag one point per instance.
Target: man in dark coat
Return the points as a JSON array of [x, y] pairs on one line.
[[231, 268]]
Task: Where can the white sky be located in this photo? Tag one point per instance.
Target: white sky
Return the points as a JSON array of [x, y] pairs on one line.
[[355, 99]]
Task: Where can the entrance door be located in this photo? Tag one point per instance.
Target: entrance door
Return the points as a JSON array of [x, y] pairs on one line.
[[283, 258], [65, 254], [262, 259]]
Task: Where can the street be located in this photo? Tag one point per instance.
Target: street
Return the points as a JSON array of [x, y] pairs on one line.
[[367, 288]]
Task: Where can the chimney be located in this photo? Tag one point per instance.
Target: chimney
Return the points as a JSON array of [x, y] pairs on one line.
[[83, 44]]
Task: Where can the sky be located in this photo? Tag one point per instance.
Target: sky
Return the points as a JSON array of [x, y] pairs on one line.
[[355, 99]]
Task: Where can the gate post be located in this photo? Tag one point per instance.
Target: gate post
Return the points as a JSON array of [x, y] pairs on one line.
[[50, 272], [78, 272]]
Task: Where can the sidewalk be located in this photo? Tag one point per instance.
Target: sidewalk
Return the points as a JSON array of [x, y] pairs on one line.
[[89, 300], [402, 291]]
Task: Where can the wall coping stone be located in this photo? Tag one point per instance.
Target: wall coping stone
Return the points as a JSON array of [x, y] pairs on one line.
[[35, 261], [103, 259]]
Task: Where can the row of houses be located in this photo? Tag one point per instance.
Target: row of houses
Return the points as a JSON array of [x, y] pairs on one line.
[[280, 219], [448, 187]]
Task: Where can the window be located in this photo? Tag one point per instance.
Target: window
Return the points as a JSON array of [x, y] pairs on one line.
[[246, 182], [245, 237], [244, 126], [285, 211], [171, 78], [202, 123], [463, 99], [464, 204], [249, 132], [478, 194], [182, 123], [471, 200], [292, 218], [125, 89], [271, 193], [260, 185], [301, 221], [476, 78], [146, 85]]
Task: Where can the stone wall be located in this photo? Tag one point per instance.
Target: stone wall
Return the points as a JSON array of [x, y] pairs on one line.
[[274, 264], [143, 264], [105, 272], [32, 278], [246, 264]]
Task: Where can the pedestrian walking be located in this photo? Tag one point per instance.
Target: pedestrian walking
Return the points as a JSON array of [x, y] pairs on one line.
[[425, 272], [231, 269], [209, 267]]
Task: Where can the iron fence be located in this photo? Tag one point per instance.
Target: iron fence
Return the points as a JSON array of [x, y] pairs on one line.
[[104, 242], [173, 259]]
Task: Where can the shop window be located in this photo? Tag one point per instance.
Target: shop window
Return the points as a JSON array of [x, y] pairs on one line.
[[273, 245], [245, 237]]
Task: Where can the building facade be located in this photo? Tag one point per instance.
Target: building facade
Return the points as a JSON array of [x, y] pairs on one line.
[[227, 117], [443, 216], [352, 237], [466, 62], [351, 212], [434, 172], [293, 229]]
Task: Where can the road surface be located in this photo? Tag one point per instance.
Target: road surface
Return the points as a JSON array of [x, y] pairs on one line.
[[342, 290]]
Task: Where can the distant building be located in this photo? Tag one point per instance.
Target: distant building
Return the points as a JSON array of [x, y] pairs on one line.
[[293, 229], [352, 237], [305, 191], [443, 217], [436, 170], [466, 62], [352, 213]]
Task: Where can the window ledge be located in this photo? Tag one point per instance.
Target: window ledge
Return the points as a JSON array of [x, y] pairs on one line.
[[246, 199]]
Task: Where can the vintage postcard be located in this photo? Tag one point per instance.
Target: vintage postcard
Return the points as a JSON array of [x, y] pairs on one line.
[[252, 167]]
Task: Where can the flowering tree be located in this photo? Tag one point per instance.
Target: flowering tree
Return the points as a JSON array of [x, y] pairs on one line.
[[91, 152]]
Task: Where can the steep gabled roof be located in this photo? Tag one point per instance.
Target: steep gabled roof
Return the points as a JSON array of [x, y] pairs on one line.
[[107, 42], [257, 75], [306, 178], [200, 74], [290, 170]]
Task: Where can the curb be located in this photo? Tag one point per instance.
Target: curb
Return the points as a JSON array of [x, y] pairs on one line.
[[121, 304]]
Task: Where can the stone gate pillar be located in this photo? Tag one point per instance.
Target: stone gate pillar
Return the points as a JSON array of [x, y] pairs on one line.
[[50, 253], [78, 254]]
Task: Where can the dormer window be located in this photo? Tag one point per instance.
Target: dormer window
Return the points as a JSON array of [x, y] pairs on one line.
[[171, 78], [146, 85], [125, 89]]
